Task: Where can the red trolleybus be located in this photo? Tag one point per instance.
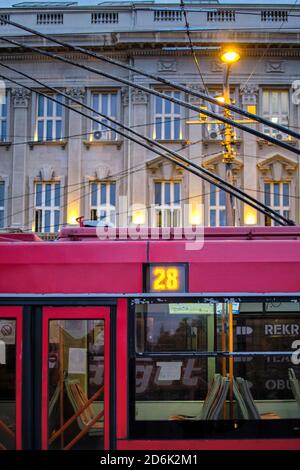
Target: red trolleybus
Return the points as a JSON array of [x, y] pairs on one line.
[[142, 344]]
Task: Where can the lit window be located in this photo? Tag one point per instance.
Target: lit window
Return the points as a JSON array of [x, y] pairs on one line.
[[168, 118], [104, 103], [217, 207], [3, 117], [277, 196], [2, 203], [49, 118], [167, 199], [47, 207], [275, 106], [103, 202]]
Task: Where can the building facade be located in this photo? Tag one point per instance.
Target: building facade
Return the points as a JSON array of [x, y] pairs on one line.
[[57, 165]]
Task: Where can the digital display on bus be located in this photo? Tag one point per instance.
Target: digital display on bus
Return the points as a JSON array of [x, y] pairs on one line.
[[166, 278]]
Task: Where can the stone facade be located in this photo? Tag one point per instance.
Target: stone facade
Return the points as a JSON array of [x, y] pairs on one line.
[[80, 156]]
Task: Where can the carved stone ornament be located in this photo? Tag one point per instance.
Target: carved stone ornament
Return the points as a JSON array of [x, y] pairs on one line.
[[166, 66], [20, 97], [275, 66], [102, 172], [77, 93], [277, 167], [125, 96], [249, 93], [46, 173], [139, 97], [216, 66]]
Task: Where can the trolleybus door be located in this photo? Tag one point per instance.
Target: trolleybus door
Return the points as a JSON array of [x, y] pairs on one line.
[[75, 387], [10, 377]]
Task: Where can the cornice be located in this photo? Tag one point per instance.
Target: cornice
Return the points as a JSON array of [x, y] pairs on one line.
[[149, 52]]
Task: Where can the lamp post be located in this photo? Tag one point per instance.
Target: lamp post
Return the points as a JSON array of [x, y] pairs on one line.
[[229, 57]]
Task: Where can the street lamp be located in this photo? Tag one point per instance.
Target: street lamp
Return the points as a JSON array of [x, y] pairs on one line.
[[229, 57]]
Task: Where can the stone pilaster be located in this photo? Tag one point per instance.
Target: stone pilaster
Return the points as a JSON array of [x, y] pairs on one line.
[[138, 186], [74, 201], [20, 101], [249, 97]]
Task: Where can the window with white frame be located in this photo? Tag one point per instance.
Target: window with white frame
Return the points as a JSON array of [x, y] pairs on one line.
[[105, 103], [47, 206], [3, 117], [2, 203], [103, 202], [275, 107], [167, 198], [168, 124], [49, 124], [217, 207], [277, 196]]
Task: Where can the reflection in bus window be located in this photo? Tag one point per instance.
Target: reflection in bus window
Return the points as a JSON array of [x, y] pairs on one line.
[[222, 362], [76, 384]]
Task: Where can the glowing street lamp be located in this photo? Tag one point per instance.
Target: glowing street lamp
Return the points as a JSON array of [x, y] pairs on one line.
[[230, 56]]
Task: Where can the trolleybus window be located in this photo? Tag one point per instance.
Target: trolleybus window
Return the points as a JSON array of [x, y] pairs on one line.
[[202, 368], [7, 384]]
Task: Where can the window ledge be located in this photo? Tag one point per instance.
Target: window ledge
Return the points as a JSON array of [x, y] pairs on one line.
[[53, 143], [5, 144], [182, 142], [88, 143], [261, 142]]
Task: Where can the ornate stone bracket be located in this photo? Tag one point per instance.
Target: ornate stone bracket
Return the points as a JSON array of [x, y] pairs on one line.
[[249, 93], [20, 97], [137, 96], [77, 93]]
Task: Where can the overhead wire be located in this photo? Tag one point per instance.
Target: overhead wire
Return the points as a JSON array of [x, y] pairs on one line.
[[178, 86], [179, 159]]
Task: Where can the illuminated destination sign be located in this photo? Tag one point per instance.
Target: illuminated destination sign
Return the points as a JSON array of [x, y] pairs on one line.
[[166, 278]]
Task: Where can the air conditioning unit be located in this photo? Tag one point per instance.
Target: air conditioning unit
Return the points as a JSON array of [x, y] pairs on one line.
[[97, 135], [213, 135], [279, 136]]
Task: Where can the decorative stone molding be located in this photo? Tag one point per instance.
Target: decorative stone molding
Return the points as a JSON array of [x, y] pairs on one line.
[[46, 173], [167, 66], [102, 172], [216, 66], [249, 93], [277, 168], [125, 96], [159, 168], [77, 93], [20, 97], [275, 66], [139, 97], [216, 165], [296, 92]]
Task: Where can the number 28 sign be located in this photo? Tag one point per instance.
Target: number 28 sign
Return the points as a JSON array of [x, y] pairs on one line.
[[166, 278]]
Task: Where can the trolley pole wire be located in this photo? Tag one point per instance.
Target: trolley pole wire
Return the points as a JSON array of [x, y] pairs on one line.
[[157, 78], [176, 158]]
